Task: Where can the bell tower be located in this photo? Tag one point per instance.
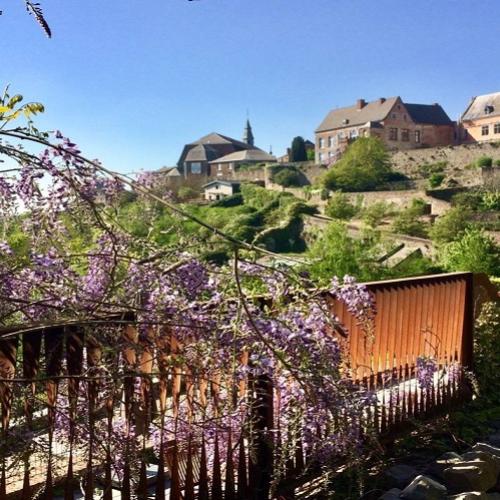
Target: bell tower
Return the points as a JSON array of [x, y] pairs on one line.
[[248, 134]]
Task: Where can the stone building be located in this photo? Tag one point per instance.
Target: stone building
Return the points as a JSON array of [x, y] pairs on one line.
[[481, 120], [214, 155], [399, 125]]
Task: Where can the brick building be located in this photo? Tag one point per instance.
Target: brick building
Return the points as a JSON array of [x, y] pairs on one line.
[[481, 120], [399, 125]]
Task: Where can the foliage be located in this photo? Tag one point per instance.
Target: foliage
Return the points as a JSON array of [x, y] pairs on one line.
[[300, 208], [287, 177], [497, 163], [427, 169], [485, 161], [375, 213], [409, 222], [487, 349], [435, 180], [339, 206], [364, 165], [187, 193], [336, 252], [229, 201], [286, 237], [451, 225], [310, 154], [298, 149], [474, 252]]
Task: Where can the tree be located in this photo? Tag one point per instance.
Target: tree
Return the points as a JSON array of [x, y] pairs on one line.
[[287, 177], [336, 252], [339, 206], [450, 225], [475, 252], [364, 165], [298, 150]]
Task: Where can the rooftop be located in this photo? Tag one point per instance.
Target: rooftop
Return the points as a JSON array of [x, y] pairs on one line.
[[483, 106], [250, 155]]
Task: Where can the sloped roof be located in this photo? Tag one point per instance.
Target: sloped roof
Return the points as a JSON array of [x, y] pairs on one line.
[[169, 171], [371, 112], [215, 138], [224, 183], [250, 155], [201, 152], [483, 106], [432, 114]]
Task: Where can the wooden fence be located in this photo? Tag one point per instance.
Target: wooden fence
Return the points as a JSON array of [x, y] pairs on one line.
[[429, 316]]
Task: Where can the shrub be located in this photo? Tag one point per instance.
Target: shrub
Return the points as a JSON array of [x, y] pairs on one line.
[[287, 177], [374, 214], [339, 206], [469, 200], [436, 180], [364, 165], [187, 193], [497, 163], [450, 225], [405, 223], [335, 253], [428, 169], [487, 348], [408, 220], [485, 161], [229, 201], [324, 194], [300, 208], [475, 252], [286, 237]]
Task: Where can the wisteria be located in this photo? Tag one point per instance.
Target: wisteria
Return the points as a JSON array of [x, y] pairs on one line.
[[426, 369], [191, 316]]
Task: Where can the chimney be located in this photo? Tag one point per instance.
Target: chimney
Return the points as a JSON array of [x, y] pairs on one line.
[[360, 104], [381, 100]]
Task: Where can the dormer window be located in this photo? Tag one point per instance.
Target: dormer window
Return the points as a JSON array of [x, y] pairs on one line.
[[345, 121], [488, 109]]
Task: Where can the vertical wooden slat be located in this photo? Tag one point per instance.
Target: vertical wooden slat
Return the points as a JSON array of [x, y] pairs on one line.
[[229, 489], [74, 360], [54, 339], [203, 491], [8, 352], [242, 471], [31, 344]]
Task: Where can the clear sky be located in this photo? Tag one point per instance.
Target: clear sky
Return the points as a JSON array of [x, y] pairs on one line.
[[131, 81]]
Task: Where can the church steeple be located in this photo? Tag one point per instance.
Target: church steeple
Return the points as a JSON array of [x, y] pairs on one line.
[[248, 134]]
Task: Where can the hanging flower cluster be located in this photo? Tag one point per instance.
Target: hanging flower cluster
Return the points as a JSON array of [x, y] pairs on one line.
[[196, 318]]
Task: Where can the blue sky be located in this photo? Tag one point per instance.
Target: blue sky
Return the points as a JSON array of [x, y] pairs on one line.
[[134, 80]]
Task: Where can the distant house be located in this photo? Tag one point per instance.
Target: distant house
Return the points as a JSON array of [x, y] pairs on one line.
[[216, 190], [201, 158], [399, 125], [481, 120]]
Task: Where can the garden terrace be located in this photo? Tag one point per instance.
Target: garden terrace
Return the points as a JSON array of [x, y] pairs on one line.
[[92, 397]]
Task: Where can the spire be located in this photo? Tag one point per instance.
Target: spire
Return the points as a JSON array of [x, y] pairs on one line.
[[248, 134]]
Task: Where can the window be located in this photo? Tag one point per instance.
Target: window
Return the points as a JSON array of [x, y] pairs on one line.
[[330, 141], [219, 167], [496, 128], [320, 157], [417, 136], [405, 134], [341, 135], [393, 134], [353, 133], [321, 142], [485, 130], [196, 167], [394, 116], [404, 117]]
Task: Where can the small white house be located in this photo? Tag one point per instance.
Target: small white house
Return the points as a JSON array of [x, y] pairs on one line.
[[217, 190]]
